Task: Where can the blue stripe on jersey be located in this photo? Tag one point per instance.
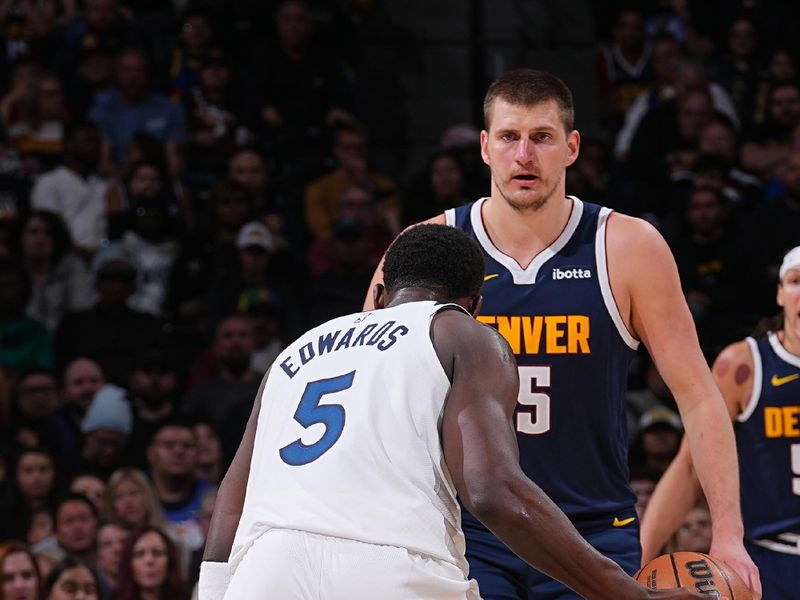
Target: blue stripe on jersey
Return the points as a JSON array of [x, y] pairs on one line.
[[573, 360], [767, 440]]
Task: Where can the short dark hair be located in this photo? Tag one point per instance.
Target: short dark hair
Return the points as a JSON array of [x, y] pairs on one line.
[[435, 257], [529, 87], [65, 564], [73, 497]]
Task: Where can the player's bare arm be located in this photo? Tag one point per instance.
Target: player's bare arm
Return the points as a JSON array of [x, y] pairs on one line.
[[230, 498], [377, 277], [646, 286], [679, 489], [483, 459]]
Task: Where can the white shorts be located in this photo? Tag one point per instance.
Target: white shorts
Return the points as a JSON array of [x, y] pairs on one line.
[[286, 564]]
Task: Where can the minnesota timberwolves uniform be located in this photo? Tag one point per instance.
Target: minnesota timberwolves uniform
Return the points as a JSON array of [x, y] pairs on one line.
[[348, 495], [768, 443], [573, 351]]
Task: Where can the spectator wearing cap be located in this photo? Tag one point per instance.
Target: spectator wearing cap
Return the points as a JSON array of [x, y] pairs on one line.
[[106, 429], [110, 332], [255, 280], [659, 438], [133, 107], [75, 191], [153, 390]]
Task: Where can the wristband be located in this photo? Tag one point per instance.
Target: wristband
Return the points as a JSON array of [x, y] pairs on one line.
[[214, 580]]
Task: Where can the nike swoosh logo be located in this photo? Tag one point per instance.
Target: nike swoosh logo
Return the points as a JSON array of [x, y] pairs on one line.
[[621, 523], [779, 381], [492, 276]]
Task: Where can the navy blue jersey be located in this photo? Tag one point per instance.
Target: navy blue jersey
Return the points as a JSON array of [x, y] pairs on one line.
[[573, 351], [768, 443]]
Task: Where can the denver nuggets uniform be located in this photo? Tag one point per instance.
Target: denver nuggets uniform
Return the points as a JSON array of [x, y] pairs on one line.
[[348, 494], [768, 444], [573, 352]]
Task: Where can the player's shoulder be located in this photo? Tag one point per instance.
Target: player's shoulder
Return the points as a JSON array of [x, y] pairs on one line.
[[628, 229], [738, 352], [636, 242]]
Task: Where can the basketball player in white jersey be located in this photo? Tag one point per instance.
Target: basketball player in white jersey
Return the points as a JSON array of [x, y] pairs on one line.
[[364, 430]]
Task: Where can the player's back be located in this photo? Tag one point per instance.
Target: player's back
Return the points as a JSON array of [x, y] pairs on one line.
[[348, 444], [769, 453]]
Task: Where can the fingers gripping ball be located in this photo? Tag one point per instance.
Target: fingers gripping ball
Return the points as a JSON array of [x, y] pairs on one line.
[[695, 571]]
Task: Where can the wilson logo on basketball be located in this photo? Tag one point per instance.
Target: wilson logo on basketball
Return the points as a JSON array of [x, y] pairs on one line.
[[700, 571]]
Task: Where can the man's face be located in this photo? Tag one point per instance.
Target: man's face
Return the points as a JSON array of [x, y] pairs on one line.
[[82, 380], [694, 112], [100, 15], [37, 395], [705, 211], [248, 170], [447, 179], [153, 384], [666, 57], [234, 339], [528, 151], [294, 25], [103, 446], [716, 138], [132, 76], [173, 452], [76, 526], [785, 105]]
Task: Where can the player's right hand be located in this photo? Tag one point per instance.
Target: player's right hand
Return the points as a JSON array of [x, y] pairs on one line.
[[677, 594]]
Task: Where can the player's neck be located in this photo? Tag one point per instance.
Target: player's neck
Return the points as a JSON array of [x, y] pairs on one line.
[[522, 236], [790, 341], [413, 294]]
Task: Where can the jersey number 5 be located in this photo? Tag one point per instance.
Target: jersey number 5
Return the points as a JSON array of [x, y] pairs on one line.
[[309, 412], [537, 420]]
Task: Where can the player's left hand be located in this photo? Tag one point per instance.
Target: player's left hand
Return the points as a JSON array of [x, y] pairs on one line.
[[733, 554]]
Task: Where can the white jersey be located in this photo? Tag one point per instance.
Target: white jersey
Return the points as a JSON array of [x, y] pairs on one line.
[[348, 440]]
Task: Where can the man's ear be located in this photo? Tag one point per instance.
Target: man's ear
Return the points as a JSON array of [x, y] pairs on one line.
[[379, 295], [475, 306]]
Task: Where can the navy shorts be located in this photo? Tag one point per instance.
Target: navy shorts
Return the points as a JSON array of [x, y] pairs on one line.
[[780, 572], [502, 575]]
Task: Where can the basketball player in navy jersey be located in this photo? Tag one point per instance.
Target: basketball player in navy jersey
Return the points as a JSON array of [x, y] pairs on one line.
[[760, 380], [574, 288], [366, 507]]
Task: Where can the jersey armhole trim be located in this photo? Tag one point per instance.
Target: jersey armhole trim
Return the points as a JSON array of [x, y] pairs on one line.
[[450, 217], [755, 394], [605, 284]]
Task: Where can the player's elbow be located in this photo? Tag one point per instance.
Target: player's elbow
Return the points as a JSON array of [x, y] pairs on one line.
[[488, 497]]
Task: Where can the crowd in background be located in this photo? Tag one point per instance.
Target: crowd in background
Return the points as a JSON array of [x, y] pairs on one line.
[[182, 192]]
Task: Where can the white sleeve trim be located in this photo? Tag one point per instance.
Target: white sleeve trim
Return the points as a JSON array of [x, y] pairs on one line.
[[755, 394], [450, 217], [605, 284]]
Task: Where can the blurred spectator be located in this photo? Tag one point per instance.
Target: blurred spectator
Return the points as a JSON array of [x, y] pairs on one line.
[[323, 195], [780, 66], [37, 130], [623, 66], [672, 77], [93, 487], [195, 45], [76, 527], [694, 534], [27, 344], [111, 539], [75, 192], [148, 230], [153, 391], [71, 578], [351, 261], [255, 281], [19, 573], [61, 280], [658, 438], [739, 68], [32, 487], [133, 107], [110, 332], [150, 568], [643, 481], [25, 27], [41, 528], [82, 379], [442, 185], [776, 226], [210, 464], [265, 317], [767, 147], [207, 511], [236, 383], [173, 466], [464, 139], [216, 131], [131, 500], [34, 401], [298, 89], [106, 428]]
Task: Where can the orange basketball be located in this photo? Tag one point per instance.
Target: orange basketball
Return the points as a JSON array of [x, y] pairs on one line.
[[695, 571]]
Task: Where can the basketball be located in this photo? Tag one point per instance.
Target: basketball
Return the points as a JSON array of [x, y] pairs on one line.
[[695, 571]]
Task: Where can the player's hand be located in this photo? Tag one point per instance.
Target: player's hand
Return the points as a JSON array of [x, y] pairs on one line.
[[677, 594], [733, 554]]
